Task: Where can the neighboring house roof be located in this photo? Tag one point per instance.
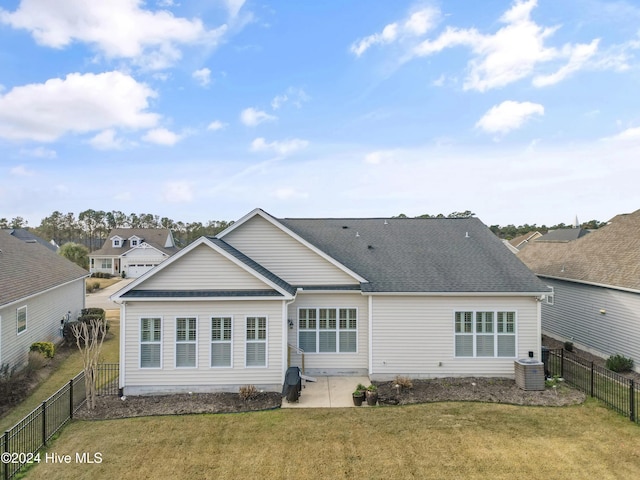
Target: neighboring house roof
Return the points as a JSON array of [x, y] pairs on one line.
[[27, 236], [522, 240], [440, 255], [563, 235], [29, 268], [608, 256], [156, 237]]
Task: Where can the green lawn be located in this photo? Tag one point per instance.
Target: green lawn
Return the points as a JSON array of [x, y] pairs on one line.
[[430, 441], [67, 369]]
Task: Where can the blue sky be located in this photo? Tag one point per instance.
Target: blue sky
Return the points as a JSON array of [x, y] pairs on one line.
[[522, 112]]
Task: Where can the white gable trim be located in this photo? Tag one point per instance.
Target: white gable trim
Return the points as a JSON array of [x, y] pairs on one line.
[[144, 245], [116, 297], [273, 221]]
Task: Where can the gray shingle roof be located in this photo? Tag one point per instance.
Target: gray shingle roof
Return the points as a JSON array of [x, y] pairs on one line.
[[609, 255], [27, 236], [156, 237], [255, 266], [420, 255], [563, 235], [30, 268]]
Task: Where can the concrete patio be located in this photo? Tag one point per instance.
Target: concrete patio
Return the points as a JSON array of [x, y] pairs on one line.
[[327, 392]]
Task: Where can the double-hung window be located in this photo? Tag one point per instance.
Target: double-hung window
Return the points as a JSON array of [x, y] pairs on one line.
[[485, 334], [150, 342], [328, 330], [256, 342], [21, 315], [186, 341], [221, 341]]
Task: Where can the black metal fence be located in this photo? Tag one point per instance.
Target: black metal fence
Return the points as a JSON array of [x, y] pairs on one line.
[[20, 444], [620, 393]]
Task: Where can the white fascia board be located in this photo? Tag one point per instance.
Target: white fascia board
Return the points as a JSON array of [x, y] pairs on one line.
[[202, 299], [603, 285], [140, 247], [277, 224], [457, 294]]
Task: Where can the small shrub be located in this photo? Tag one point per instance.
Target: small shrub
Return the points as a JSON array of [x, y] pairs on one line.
[[96, 285], [93, 311], [372, 388], [36, 361], [403, 382], [619, 363], [47, 349], [247, 392], [568, 346]]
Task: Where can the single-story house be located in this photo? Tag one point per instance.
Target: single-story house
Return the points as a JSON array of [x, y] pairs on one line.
[[596, 287], [38, 290], [351, 296], [133, 251]]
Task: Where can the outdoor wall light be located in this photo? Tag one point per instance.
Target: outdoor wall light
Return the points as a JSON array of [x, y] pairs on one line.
[[290, 324]]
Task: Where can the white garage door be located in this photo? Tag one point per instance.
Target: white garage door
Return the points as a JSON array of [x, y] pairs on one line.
[[137, 269]]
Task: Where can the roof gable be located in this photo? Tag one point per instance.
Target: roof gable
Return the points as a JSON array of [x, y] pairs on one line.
[[211, 268], [159, 238]]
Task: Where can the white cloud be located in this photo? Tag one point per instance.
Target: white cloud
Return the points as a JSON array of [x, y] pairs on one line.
[[512, 53], [79, 103], [418, 23], [202, 76], [216, 125], [180, 191], [117, 28], [377, 157], [630, 134], [162, 136], [234, 6], [252, 117], [106, 140], [285, 147], [123, 196], [39, 152], [21, 171], [507, 116], [295, 96]]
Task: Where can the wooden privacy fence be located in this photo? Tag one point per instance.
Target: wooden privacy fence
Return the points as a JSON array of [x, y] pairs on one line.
[[20, 444]]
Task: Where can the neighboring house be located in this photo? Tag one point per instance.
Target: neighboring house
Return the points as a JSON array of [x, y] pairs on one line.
[[133, 251], [563, 235], [596, 282], [522, 241], [27, 236], [378, 297], [38, 289]]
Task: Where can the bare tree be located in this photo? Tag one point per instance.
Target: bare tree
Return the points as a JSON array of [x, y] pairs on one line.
[[89, 338]]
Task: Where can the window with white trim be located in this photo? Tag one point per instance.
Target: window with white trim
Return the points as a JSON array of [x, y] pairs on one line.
[[21, 315], [328, 330], [221, 341], [186, 341], [106, 263], [150, 342], [256, 342], [485, 334], [549, 297]]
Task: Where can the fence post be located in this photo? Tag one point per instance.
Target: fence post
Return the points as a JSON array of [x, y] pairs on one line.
[[632, 401], [44, 422], [562, 363], [6, 449], [71, 398], [591, 393]]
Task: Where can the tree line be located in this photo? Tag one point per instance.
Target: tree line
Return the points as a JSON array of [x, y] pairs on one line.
[[91, 227]]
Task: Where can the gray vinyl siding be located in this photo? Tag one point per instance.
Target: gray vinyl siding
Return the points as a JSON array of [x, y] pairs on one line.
[[203, 269], [414, 336], [285, 256], [333, 363], [575, 316], [203, 377], [44, 312]]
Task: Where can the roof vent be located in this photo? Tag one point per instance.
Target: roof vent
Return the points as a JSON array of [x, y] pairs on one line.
[[466, 235], [344, 227], [357, 234], [370, 247], [385, 222]]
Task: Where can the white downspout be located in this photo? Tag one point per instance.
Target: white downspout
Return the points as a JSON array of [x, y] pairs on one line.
[[285, 335], [370, 334], [122, 369]]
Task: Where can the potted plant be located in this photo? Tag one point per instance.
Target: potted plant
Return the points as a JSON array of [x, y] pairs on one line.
[[358, 395], [372, 395]]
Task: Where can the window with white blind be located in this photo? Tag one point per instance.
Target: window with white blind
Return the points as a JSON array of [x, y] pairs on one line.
[[256, 342], [221, 341], [150, 342], [21, 315], [485, 334], [186, 345], [328, 330]]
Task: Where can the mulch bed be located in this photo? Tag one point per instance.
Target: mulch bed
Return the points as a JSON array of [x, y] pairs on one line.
[[497, 390]]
